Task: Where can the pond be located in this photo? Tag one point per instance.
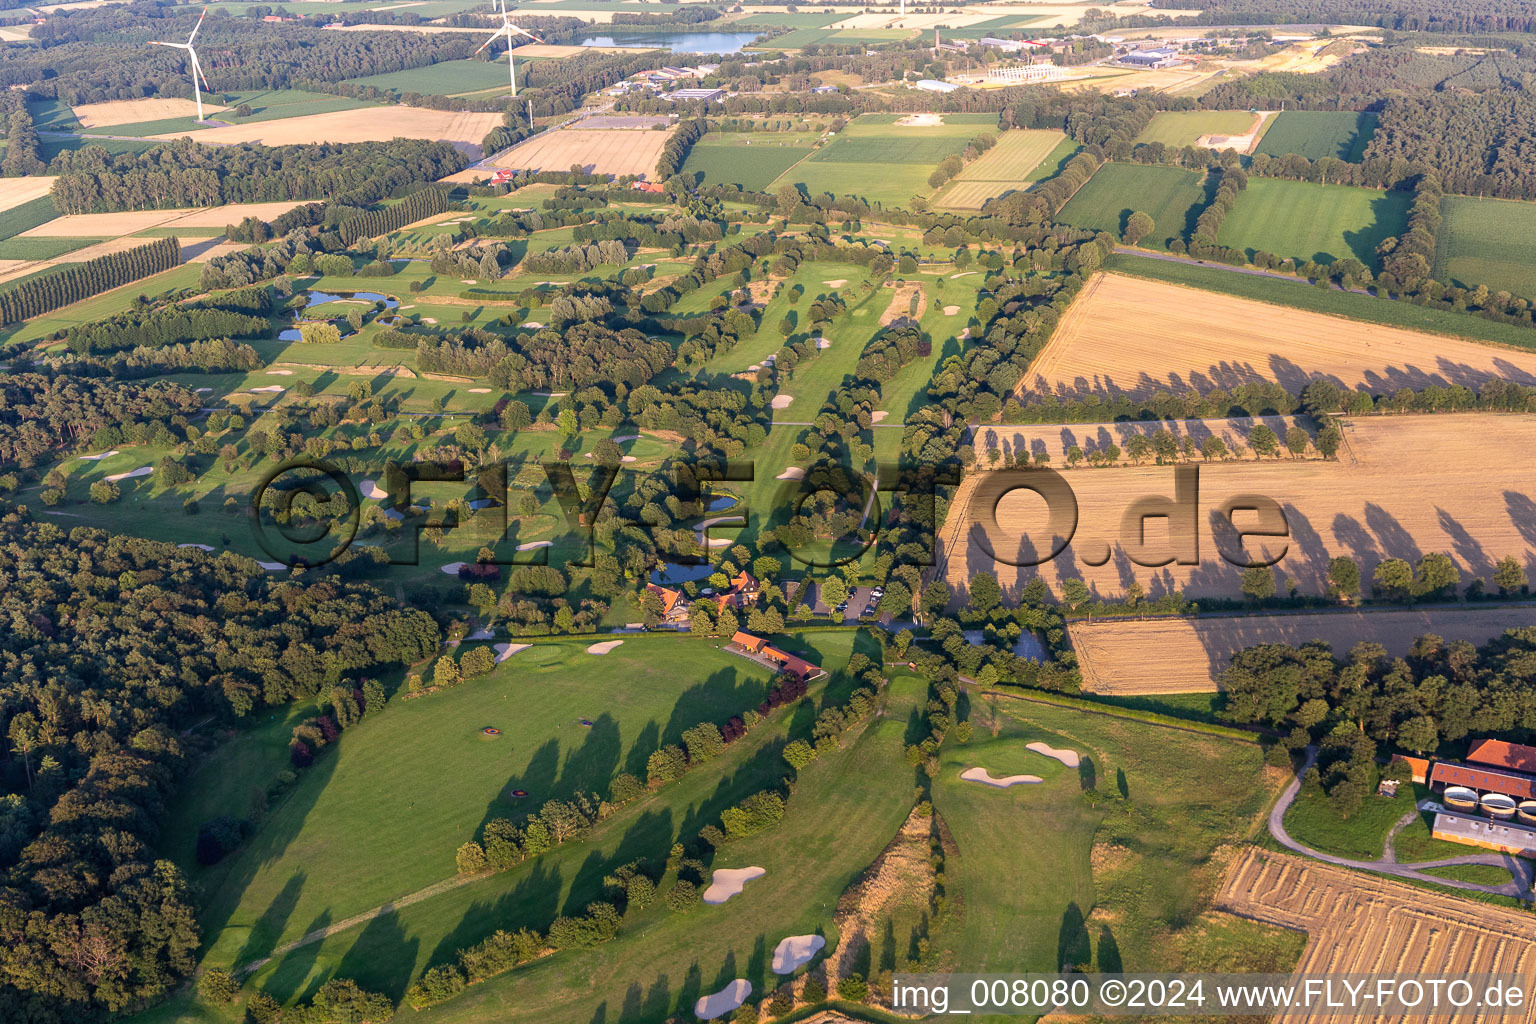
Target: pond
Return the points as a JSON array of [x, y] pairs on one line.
[[677, 42], [672, 573], [722, 502], [317, 298]]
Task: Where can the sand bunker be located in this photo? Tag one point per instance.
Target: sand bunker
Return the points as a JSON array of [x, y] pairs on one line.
[[479, 391], [280, 373], [535, 544], [141, 471], [792, 473], [823, 343], [1069, 758], [628, 458], [481, 634], [604, 648], [968, 273], [200, 547], [728, 882], [626, 437], [982, 775], [921, 120], [98, 458], [505, 651], [203, 391], [271, 566], [270, 389], [836, 283], [371, 489], [876, 417], [782, 401], [951, 310], [727, 1000], [796, 951], [452, 568]]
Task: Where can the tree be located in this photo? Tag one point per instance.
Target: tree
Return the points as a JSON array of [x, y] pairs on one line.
[[471, 858], [1343, 577], [986, 594], [1436, 575], [1263, 440], [799, 754], [477, 662], [105, 492], [217, 986], [1509, 576], [935, 597], [1329, 440], [1137, 226], [446, 672], [833, 592], [1393, 578], [1296, 441], [1075, 592], [1418, 734], [1259, 582]]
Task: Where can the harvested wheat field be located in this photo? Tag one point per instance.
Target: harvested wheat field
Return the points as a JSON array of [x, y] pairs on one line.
[[1368, 924], [1128, 336], [1191, 652], [1401, 487], [154, 108], [369, 124], [598, 152], [16, 191], [113, 225], [1058, 439]]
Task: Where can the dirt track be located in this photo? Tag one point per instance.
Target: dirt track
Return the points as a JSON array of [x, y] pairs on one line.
[[1191, 652], [1404, 486], [1128, 336]]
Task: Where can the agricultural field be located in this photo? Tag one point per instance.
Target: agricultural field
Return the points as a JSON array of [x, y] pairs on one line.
[[358, 125], [1368, 505], [1487, 242], [1021, 156], [1171, 196], [1322, 223], [613, 151], [1179, 128], [450, 78], [113, 113], [749, 159], [800, 38], [1132, 336], [1315, 134], [1365, 923], [882, 159], [1191, 652]]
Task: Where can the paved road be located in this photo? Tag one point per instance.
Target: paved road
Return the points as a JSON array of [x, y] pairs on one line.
[[1521, 870]]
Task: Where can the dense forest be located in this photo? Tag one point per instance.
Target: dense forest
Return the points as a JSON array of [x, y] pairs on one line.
[[41, 418], [184, 173], [116, 645], [1406, 15]]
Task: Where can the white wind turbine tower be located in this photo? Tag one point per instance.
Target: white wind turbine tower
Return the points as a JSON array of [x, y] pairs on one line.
[[507, 29], [197, 70]]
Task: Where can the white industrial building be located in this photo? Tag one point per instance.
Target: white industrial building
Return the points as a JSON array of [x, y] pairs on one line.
[[1041, 72], [934, 85]]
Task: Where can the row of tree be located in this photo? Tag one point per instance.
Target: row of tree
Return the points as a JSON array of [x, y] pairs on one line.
[[35, 296], [419, 205]]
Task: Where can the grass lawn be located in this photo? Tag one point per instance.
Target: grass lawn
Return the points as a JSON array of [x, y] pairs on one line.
[[1481, 874], [1171, 196], [1318, 133], [1314, 821], [1332, 301], [365, 825], [1119, 881], [1487, 241], [1184, 127], [1314, 222], [1020, 156], [1414, 842], [749, 159]]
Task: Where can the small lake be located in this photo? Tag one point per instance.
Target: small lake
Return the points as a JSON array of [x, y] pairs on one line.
[[317, 298], [677, 42], [673, 573]]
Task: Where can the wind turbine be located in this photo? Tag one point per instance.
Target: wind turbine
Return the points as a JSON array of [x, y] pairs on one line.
[[197, 70], [507, 28]]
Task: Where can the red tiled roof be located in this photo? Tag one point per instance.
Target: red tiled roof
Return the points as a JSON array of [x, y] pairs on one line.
[[1485, 780], [1504, 755]]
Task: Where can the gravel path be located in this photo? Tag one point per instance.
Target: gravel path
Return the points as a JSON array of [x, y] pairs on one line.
[[1521, 869]]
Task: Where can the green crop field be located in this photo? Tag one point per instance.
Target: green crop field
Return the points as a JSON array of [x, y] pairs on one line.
[[1020, 157], [1487, 241], [41, 248], [882, 161], [1184, 127], [31, 214], [1314, 222], [1169, 195], [1318, 133], [749, 159], [449, 78]]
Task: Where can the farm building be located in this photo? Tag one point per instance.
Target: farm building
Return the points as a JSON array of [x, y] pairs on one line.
[[1481, 778], [761, 651], [1505, 837], [1006, 45], [706, 95], [1514, 756], [1154, 60], [934, 85], [1417, 766], [1041, 72]]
